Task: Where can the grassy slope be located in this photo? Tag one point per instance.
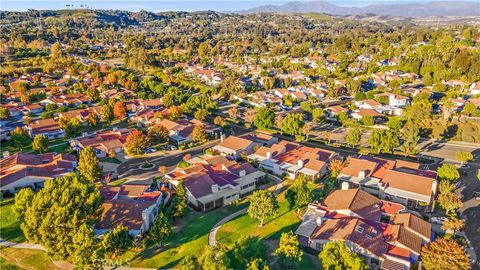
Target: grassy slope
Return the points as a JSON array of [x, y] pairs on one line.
[[190, 238], [9, 225], [26, 259], [285, 221]]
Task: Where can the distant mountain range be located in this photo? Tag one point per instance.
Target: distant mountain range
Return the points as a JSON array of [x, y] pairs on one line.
[[437, 8]]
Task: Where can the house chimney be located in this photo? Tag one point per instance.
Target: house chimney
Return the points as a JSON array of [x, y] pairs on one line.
[[319, 221], [215, 188], [300, 163], [6, 154], [269, 155], [345, 185], [222, 137], [243, 173], [361, 174]]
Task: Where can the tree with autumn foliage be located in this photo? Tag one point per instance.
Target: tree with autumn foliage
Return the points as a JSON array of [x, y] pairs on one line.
[[119, 110], [136, 143], [199, 134], [454, 224], [336, 166], [444, 254], [158, 134]]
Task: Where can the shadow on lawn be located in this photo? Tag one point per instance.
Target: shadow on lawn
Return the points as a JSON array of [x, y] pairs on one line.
[[12, 233]]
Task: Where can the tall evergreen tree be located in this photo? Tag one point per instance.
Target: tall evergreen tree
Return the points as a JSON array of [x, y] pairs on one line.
[[89, 164]]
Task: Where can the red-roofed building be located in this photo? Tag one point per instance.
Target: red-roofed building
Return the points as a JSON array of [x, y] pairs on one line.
[[212, 182], [104, 143], [374, 229], [293, 159], [29, 170], [400, 181]]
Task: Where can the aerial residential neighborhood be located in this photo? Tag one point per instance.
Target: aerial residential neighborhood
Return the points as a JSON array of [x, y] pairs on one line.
[[225, 135]]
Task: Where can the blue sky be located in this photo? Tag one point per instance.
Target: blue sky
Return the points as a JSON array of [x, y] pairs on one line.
[[169, 5]]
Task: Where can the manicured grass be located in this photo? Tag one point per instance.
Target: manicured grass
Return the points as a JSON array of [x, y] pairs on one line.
[[9, 224], [189, 238], [111, 160], [27, 259], [286, 220], [62, 148], [117, 182], [5, 265]]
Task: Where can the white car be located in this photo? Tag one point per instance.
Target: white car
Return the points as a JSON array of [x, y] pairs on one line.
[[438, 220]]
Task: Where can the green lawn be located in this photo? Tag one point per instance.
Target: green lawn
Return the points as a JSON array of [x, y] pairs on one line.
[[117, 182], [111, 160], [9, 225], [25, 259], [5, 265], [190, 238], [286, 220]]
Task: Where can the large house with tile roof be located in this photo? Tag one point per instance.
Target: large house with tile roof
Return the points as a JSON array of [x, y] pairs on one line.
[[104, 143], [400, 181], [48, 127], [380, 232], [134, 206], [30, 170], [181, 130], [214, 181], [291, 159]]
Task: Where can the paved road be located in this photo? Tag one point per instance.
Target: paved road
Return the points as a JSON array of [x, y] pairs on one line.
[[131, 167], [212, 236]]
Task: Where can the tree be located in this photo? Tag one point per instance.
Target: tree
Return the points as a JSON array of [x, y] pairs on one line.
[[279, 121], [410, 136], [4, 113], [354, 136], [249, 116], [219, 121], [307, 130], [57, 212], [87, 248], [136, 143], [299, 194], [40, 143], [189, 262], [395, 123], [336, 165], [448, 172], [444, 254], [160, 230], [375, 140], [180, 204], [463, 156], [453, 224], [23, 200], [119, 110], [257, 264], [289, 250], [265, 118], [367, 120], [262, 205], [92, 119], [19, 137], [201, 114], [449, 201], [158, 134], [107, 113], [233, 112], [389, 141], [89, 164], [246, 249], [292, 124], [336, 254], [470, 109], [70, 125], [318, 115], [56, 51], [199, 134], [117, 241], [214, 259]]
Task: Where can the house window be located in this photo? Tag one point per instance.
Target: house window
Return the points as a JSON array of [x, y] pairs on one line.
[[375, 261], [318, 246]]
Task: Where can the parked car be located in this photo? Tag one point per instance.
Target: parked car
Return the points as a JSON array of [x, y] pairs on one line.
[[438, 220], [150, 150]]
